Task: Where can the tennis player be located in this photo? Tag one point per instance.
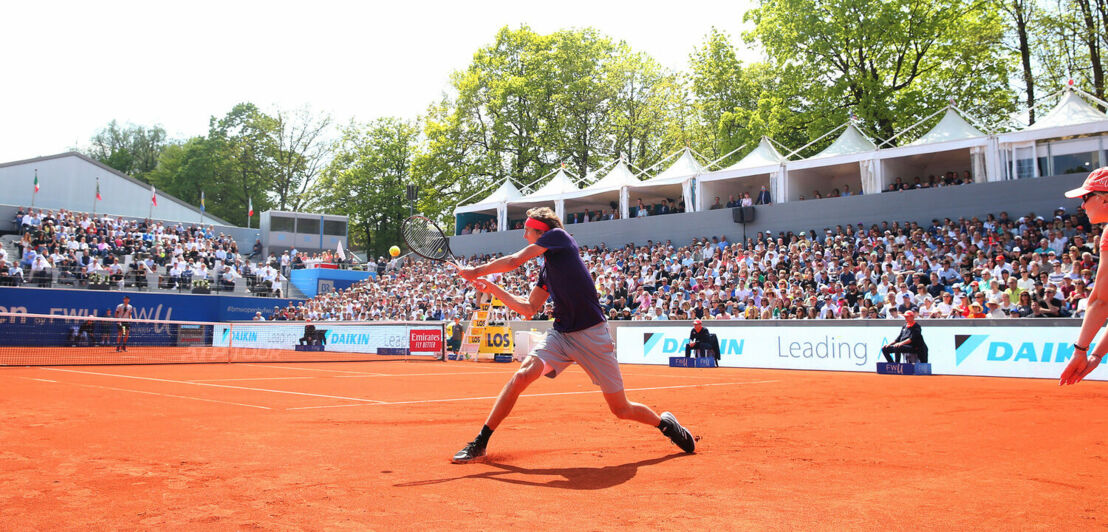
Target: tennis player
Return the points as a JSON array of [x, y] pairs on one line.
[[123, 311], [1094, 197], [580, 333]]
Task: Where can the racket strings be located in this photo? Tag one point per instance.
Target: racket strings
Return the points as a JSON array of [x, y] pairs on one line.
[[425, 239]]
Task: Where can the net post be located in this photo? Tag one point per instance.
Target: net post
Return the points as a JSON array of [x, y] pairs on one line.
[[230, 340]]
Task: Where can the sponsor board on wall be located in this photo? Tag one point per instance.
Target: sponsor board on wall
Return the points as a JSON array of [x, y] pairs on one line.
[[148, 305], [346, 338], [1039, 352]]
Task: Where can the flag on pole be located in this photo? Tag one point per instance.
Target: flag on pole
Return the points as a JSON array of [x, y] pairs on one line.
[[201, 201], [98, 197], [340, 252], [36, 182], [250, 208], [153, 196]]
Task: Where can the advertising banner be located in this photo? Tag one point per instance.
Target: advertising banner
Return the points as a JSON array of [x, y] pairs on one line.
[[148, 305], [1039, 352], [419, 340], [425, 341]]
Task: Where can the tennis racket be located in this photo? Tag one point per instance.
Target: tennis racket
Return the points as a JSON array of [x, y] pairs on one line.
[[426, 239]]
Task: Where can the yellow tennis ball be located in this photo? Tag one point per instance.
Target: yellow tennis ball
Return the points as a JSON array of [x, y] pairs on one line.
[[394, 251]]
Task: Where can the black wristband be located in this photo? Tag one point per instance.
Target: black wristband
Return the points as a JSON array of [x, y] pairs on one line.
[[1076, 347]]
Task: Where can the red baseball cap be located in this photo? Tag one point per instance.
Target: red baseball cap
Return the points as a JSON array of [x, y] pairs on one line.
[[1096, 182], [696, 322]]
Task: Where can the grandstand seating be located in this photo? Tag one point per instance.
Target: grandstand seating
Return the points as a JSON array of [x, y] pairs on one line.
[[1025, 267], [74, 249]]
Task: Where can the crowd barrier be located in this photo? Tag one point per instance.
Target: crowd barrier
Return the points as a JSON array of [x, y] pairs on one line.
[[148, 305]]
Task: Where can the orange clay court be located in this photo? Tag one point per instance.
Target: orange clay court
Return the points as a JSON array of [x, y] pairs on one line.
[[347, 445]]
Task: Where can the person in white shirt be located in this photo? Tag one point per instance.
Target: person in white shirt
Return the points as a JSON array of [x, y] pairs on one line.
[[40, 270]]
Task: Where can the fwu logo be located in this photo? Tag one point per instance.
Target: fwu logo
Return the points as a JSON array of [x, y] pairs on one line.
[[651, 342], [966, 345]]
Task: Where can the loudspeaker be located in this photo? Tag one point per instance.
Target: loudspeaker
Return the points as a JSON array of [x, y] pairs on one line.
[[742, 215]]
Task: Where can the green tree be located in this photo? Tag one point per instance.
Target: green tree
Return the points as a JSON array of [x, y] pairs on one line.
[[644, 95], [581, 96], [1071, 37], [366, 181], [889, 61], [300, 151], [131, 149], [243, 148], [233, 165]]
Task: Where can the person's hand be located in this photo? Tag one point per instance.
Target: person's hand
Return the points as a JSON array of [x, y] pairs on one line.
[[482, 285], [468, 274], [1081, 364]]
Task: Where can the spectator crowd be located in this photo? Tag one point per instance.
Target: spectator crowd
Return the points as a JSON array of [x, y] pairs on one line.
[[998, 267], [79, 249]]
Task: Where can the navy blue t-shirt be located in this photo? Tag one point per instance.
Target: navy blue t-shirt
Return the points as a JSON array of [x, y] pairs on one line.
[[564, 276]]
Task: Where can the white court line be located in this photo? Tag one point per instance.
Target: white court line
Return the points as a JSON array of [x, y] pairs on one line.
[[311, 369], [158, 394], [419, 374], [679, 376], [40, 380], [534, 395], [218, 385], [376, 374], [258, 379]]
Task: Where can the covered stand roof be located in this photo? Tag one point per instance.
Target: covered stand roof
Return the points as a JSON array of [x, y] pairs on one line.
[[951, 127], [1072, 116], [763, 155], [504, 193], [851, 146], [1070, 111], [849, 142], [555, 189], [683, 168], [620, 176], [763, 159]]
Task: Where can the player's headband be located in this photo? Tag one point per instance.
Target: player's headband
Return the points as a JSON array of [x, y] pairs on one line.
[[536, 224]]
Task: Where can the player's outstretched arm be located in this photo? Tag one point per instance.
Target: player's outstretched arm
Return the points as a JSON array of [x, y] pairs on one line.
[[503, 264], [1082, 363], [524, 307]]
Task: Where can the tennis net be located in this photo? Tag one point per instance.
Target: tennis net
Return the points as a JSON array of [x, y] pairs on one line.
[[51, 340]]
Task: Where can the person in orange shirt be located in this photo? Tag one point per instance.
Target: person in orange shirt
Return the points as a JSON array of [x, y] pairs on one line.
[[976, 311]]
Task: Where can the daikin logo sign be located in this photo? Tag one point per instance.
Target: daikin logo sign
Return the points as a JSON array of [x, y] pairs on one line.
[[656, 342], [967, 345]]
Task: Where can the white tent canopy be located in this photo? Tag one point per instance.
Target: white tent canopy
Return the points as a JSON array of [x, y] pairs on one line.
[[1068, 139], [606, 190], [847, 162], [496, 202], [552, 193], [952, 145], [1070, 111], [671, 182], [951, 127], [763, 155], [849, 142], [761, 167], [1072, 116]]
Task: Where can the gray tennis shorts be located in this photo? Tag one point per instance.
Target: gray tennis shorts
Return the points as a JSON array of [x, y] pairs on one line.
[[592, 348]]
